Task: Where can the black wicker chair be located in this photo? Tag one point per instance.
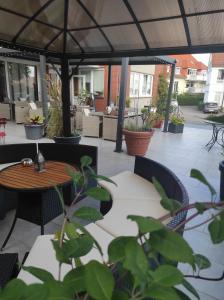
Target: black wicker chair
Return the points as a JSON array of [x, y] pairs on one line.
[[147, 168], [8, 267], [50, 206]]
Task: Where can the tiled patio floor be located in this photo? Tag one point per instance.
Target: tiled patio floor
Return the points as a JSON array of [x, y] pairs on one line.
[[178, 152]]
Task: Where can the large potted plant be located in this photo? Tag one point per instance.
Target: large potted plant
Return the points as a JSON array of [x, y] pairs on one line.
[[137, 137], [55, 122], [34, 128], [176, 124], [138, 267]]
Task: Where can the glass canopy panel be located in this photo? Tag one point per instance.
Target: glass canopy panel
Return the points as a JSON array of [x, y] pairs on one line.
[[124, 37], [71, 46], [206, 29], [53, 14], [57, 45], [91, 40], [26, 7], [7, 30], [151, 9], [77, 17], [37, 35], [169, 33], [107, 11], [195, 6]]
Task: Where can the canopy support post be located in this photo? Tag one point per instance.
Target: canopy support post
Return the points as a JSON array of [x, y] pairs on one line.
[[109, 85], [122, 97], [43, 87], [65, 95], [169, 96]]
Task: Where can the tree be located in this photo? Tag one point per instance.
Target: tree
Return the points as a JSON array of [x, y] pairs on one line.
[[162, 93]]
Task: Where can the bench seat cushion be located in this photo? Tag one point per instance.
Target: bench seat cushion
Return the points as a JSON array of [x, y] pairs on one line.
[[132, 195], [42, 254]]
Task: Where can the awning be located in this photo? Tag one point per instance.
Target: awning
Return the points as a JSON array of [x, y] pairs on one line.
[[118, 28]]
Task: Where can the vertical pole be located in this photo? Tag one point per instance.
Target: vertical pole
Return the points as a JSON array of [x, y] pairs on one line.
[[122, 97], [65, 95], [169, 96], [109, 84], [43, 86]]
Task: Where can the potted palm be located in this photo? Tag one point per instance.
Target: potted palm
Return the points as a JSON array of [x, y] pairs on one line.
[[137, 137], [34, 128], [54, 127], [176, 124]]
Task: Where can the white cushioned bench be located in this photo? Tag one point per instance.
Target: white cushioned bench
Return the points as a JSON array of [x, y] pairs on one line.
[[133, 195]]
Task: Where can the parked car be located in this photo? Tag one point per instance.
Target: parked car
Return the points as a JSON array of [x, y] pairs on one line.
[[211, 107], [174, 103]]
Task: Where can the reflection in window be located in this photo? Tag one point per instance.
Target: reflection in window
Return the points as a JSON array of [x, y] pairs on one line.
[[3, 89], [140, 85], [23, 82]]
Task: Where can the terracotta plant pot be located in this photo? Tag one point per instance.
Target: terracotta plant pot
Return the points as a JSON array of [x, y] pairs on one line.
[[158, 124], [137, 141]]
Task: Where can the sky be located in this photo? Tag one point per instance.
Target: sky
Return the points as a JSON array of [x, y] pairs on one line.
[[202, 57]]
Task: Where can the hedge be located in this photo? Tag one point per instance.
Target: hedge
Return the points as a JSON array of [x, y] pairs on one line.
[[189, 99], [218, 119]]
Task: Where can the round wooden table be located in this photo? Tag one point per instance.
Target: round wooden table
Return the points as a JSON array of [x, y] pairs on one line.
[[38, 201]]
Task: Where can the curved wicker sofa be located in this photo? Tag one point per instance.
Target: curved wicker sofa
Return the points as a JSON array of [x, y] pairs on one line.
[[147, 169], [60, 152]]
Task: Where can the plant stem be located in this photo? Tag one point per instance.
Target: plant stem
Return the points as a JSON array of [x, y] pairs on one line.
[[202, 223], [205, 278]]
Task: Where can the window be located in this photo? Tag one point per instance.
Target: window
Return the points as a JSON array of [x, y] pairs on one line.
[[3, 89], [23, 81], [98, 82], [220, 74], [140, 85], [192, 72], [175, 87], [177, 70]]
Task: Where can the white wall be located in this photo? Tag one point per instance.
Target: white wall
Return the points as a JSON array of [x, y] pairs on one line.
[[213, 86]]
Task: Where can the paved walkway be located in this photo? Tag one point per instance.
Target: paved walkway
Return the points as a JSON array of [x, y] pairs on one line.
[[179, 152]]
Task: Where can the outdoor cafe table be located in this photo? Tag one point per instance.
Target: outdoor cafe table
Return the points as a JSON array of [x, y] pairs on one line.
[[217, 134], [37, 202]]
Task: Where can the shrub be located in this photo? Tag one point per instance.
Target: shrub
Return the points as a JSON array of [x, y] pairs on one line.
[[189, 99], [218, 119]]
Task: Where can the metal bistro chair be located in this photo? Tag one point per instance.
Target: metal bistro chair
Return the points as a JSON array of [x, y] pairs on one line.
[[3, 122]]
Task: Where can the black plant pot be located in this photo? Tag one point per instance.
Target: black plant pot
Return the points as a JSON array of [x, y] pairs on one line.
[[67, 139], [176, 128]]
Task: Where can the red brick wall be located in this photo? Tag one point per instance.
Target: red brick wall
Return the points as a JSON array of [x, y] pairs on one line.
[[159, 69]]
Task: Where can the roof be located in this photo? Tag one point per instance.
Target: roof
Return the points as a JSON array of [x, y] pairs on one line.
[[217, 60], [118, 28], [188, 61]]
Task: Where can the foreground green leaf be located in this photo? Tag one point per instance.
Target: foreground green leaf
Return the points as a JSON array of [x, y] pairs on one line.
[[216, 230], [199, 176], [14, 290], [200, 207], [135, 261], [202, 262], [98, 193], [146, 224], [75, 280], [86, 161], [159, 188], [171, 205], [171, 245], [167, 276], [104, 178], [41, 274], [36, 291], [88, 213], [158, 292], [116, 249], [99, 281], [78, 247], [190, 288]]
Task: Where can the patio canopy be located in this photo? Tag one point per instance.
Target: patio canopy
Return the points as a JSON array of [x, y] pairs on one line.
[[106, 28]]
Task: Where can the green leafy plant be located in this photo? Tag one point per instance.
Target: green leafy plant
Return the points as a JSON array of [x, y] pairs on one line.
[[162, 93], [138, 267], [36, 120], [177, 119]]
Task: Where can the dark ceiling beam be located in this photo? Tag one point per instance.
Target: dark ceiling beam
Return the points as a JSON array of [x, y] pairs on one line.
[[27, 17], [97, 25], [131, 12], [152, 52], [66, 4], [53, 39], [31, 19], [75, 40], [186, 28]]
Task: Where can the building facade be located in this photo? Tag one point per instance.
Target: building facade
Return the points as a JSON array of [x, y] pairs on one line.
[[214, 91], [190, 75]]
